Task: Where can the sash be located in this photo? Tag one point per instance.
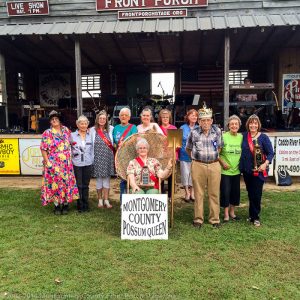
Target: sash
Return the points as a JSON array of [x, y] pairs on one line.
[[105, 140], [124, 134], [152, 176], [251, 146]]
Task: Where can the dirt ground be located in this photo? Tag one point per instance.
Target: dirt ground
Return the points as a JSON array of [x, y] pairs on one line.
[[34, 182]]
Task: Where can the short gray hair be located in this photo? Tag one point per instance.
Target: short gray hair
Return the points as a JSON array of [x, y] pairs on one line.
[[234, 117], [125, 109], [82, 118], [142, 141]]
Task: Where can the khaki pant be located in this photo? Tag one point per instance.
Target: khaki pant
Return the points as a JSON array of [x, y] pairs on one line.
[[206, 175]]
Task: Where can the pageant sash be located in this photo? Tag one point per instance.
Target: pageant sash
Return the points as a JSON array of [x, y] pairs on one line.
[[105, 140], [152, 176], [124, 134]]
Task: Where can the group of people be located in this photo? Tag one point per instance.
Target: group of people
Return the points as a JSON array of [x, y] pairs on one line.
[[208, 160]]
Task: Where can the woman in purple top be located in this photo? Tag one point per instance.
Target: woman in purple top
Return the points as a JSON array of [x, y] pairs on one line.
[[255, 144], [164, 122]]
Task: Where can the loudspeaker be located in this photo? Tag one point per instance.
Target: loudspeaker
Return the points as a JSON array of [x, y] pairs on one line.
[[43, 124]]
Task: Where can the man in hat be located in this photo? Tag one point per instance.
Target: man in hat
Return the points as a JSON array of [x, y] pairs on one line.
[[203, 146]]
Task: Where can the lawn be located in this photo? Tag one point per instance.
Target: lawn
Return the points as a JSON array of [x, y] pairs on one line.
[[81, 256]]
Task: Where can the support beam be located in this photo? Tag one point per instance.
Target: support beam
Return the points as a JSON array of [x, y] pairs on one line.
[[4, 90], [78, 77], [140, 50], [162, 58], [226, 76]]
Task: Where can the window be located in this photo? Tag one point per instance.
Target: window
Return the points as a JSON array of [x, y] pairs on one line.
[[90, 85], [21, 92], [237, 76]]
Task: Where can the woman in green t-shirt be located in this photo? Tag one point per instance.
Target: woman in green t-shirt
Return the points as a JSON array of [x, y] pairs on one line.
[[230, 174]]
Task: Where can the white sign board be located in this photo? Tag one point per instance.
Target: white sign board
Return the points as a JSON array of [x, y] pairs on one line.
[[271, 165], [288, 155], [31, 159], [144, 217]]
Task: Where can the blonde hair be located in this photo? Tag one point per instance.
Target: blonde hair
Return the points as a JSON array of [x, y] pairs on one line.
[[164, 111]]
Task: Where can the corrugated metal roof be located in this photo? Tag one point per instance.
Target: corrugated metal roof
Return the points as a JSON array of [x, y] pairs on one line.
[[150, 25]]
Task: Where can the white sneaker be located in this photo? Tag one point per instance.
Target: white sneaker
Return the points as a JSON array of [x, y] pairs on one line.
[[107, 204], [100, 203]]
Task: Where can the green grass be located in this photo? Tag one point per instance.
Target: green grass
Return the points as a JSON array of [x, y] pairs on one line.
[[86, 254]]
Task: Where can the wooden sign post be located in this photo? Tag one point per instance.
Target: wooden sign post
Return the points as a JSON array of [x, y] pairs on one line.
[[174, 141]]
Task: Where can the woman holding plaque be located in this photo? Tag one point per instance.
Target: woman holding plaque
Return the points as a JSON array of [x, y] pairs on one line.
[[103, 167], [59, 184], [257, 154], [230, 174], [143, 172], [147, 124], [190, 119], [164, 122]]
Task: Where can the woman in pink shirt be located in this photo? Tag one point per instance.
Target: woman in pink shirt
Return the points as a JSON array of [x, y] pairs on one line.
[[164, 122]]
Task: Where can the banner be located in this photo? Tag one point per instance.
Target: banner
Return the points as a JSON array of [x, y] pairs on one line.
[[30, 157], [290, 92], [144, 217], [9, 157], [288, 155]]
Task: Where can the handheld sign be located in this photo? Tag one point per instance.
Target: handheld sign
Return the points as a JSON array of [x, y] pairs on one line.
[[144, 217]]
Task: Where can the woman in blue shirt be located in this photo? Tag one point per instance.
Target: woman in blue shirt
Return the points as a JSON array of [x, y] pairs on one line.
[[190, 118], [255, 142], [82, 158]]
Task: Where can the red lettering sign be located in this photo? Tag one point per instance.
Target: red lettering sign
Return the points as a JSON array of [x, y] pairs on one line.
[[21, 8], [105, 5]]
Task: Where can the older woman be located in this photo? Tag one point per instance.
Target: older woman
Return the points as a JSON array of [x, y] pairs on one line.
[[257, 154], [82, 158], [190, 118], [164, 122], [147, 122], [103, 167], [230, 174], [58, 185], [135, 167], [120, 133]]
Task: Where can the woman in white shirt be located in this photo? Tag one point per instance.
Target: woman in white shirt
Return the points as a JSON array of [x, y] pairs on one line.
[[147, 124]]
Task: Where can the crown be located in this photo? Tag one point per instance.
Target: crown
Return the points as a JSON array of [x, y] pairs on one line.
[[205, 112]]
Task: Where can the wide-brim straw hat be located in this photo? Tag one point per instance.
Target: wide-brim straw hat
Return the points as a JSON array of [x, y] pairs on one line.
[[158, 149]]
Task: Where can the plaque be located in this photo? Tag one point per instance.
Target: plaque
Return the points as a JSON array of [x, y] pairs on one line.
[[145, 178]]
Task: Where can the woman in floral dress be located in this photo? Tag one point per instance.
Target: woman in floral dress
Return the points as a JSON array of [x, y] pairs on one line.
[[59, 184]]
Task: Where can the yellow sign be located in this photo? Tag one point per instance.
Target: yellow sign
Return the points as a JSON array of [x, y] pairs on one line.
[[9, 156]]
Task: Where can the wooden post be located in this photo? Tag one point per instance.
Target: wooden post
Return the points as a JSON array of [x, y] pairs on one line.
[[4, 90], [226, 77], [173, 183], [78, 77]]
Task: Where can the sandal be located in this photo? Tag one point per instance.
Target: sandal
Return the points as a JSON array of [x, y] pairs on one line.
[[100, 203], [107, 204]]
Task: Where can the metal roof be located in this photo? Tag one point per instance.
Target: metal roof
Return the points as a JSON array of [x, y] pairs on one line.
[[153, 25]]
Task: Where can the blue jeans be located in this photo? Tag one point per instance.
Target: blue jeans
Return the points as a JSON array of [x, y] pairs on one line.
[[123, 188]]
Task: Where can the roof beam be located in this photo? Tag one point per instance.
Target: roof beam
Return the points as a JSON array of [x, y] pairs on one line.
[[23, 52], [200, 52], [103, 51], [241, 47], [181, 42], [162, 57], [143, 58], [61, 49], [263, 44], [124, 58]]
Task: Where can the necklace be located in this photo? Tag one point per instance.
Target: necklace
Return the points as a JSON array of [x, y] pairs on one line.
[[253, 136]]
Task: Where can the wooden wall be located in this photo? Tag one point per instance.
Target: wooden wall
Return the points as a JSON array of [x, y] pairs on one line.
[[76, 10]]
